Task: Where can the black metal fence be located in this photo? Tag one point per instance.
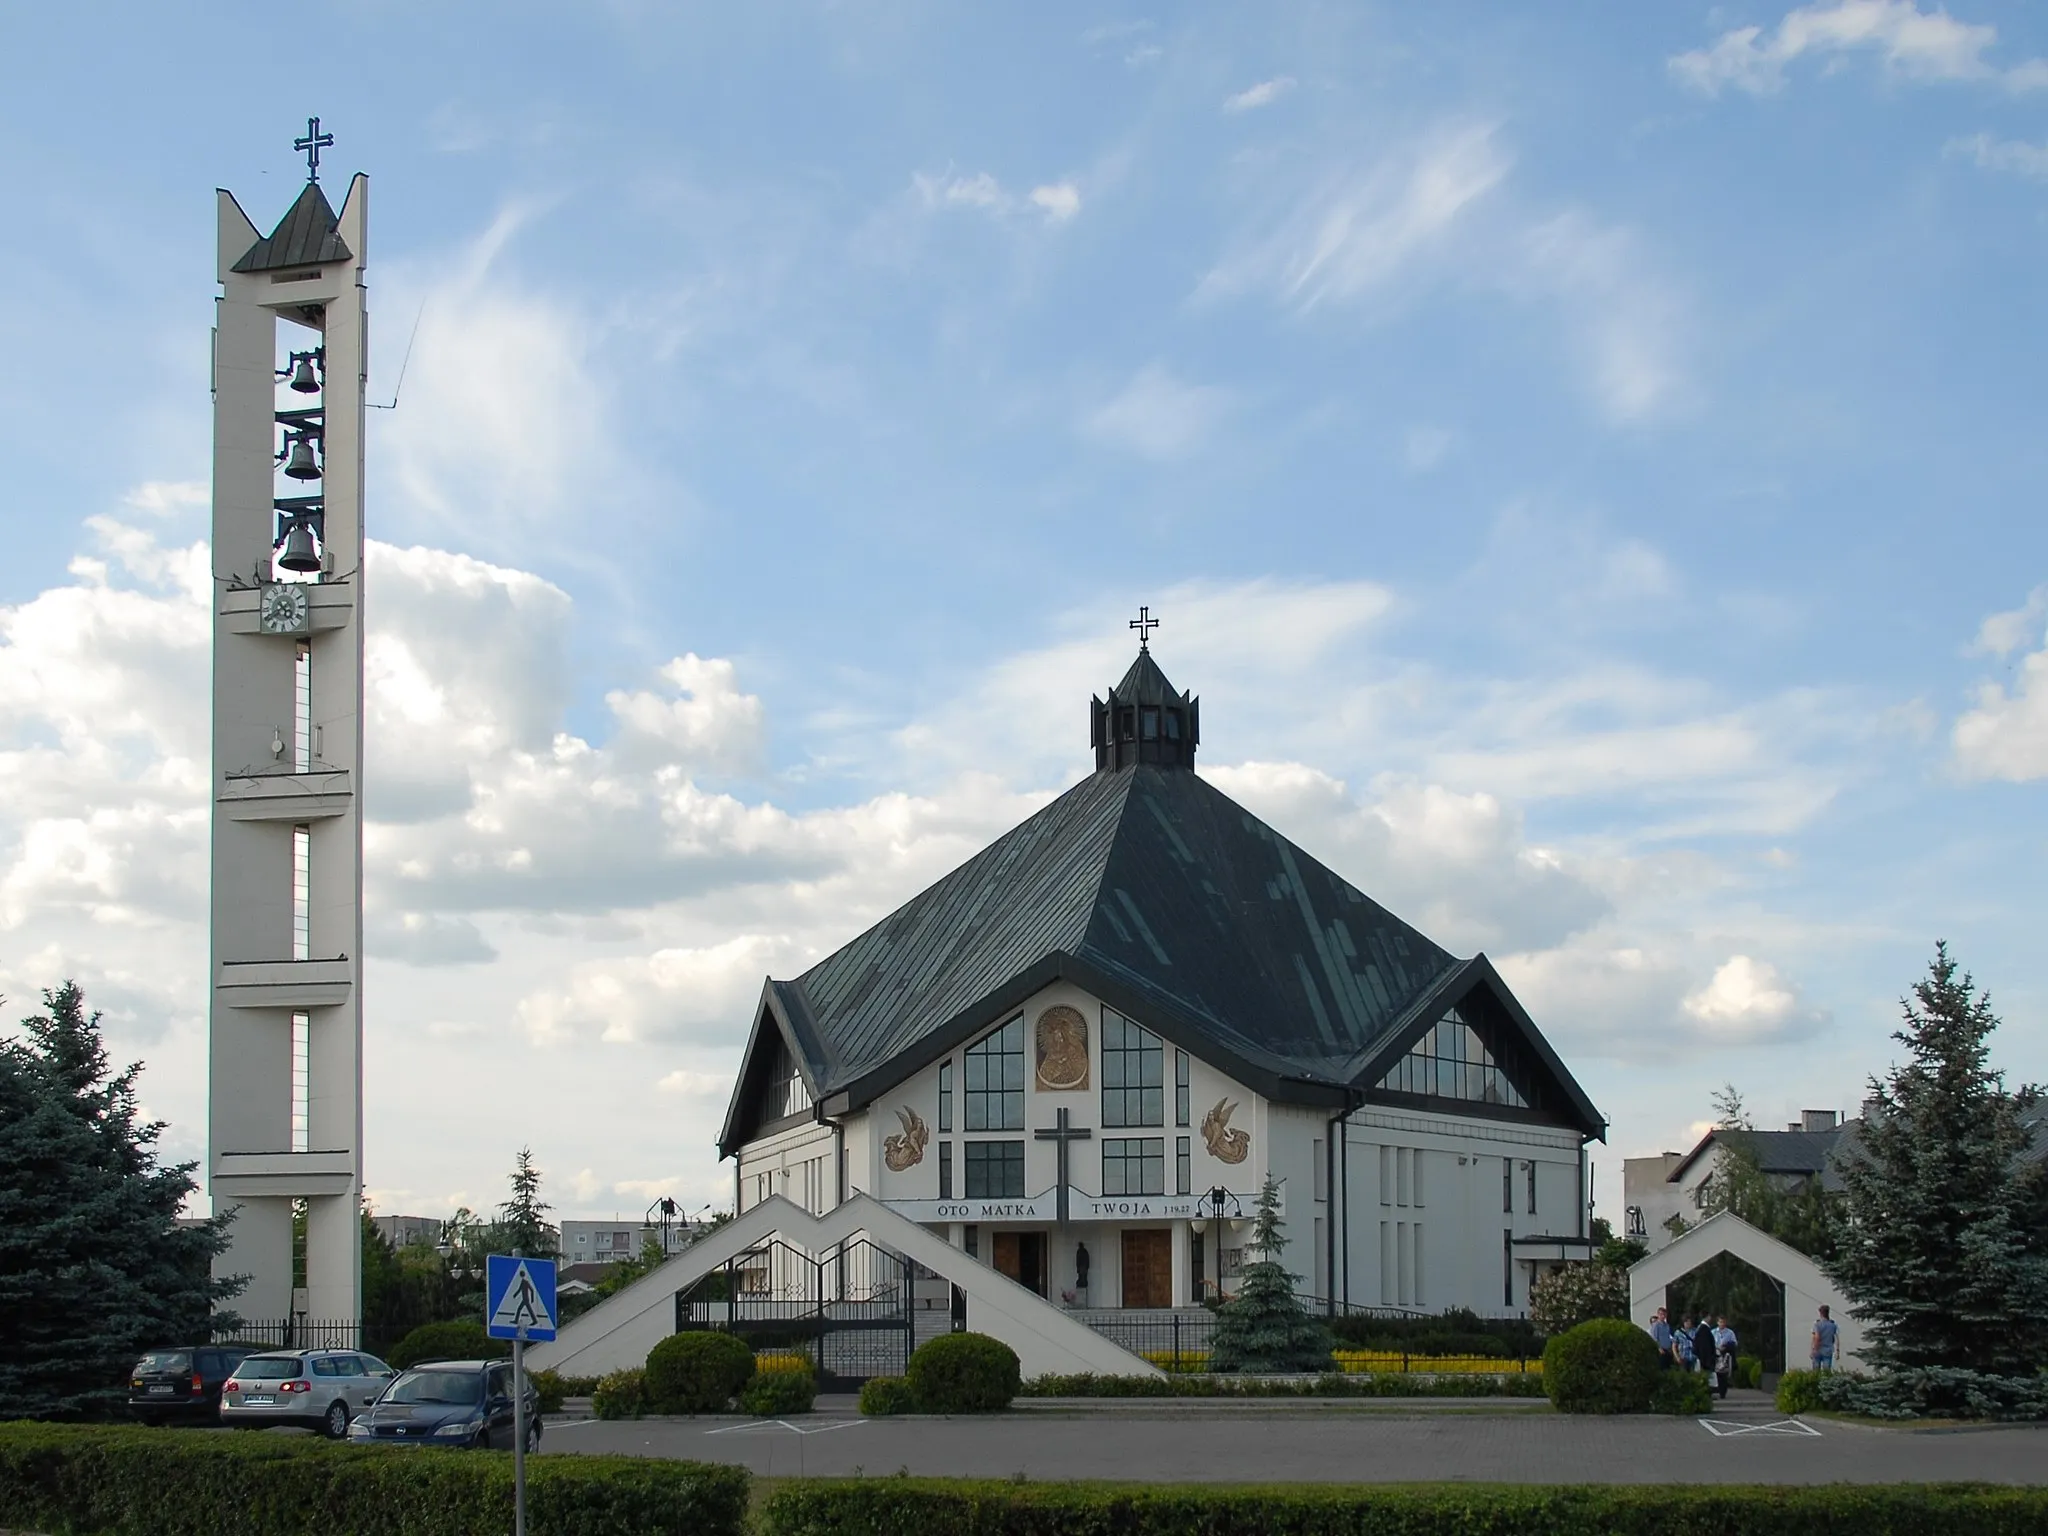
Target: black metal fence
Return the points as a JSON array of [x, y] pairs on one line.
[[850, 1310], [298, 1333], [1180, 1341]]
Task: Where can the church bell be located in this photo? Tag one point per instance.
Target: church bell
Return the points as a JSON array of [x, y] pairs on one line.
[[300, 464], [303, 380], [299, 553]]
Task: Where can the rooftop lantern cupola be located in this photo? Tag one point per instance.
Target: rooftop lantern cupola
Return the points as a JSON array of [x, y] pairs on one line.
[[1144, 720]]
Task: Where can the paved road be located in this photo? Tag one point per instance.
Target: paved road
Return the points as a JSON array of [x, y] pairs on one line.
[[1163, 1446]]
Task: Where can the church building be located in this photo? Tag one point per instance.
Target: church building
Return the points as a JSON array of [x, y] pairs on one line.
[[1077, 1057]]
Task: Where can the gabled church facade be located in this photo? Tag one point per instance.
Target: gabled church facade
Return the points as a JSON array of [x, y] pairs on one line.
[[1078, 1056]]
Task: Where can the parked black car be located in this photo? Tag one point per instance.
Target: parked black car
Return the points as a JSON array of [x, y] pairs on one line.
[[182, 1383], [461, 1403]]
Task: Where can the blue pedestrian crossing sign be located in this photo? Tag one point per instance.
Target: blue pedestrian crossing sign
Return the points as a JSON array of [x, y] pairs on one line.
[[519, 1298]]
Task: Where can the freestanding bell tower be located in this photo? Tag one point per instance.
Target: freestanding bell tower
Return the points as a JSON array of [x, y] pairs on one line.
[[285, 1025]]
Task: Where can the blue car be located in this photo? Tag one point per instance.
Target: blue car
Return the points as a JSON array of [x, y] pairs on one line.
[[460, 1403]]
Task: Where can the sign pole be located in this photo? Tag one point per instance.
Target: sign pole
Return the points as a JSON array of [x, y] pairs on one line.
[[519, 1434]]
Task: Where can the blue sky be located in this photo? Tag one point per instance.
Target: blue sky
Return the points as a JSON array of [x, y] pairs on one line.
[[1587, 459]]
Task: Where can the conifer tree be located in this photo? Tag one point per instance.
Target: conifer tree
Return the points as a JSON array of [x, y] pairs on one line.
[[522, 1221], [1943, 1246], [94, 1270], [1263, 1327]]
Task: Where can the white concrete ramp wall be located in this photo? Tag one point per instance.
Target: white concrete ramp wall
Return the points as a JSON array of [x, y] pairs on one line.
[[619, 1331], [1806, 1288]]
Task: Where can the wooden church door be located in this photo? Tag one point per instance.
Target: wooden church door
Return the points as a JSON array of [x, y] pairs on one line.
[[1148, 1269]]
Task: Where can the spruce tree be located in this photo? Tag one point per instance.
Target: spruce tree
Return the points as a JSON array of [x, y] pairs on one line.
[[1943, 1249], [1263, 1327], [522, 1221], [94, 1270]]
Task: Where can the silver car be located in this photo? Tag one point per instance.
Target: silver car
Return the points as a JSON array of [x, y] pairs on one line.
[[312, 1388]]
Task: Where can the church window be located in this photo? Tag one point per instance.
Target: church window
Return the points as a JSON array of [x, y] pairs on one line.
[[302, 709], [1148, 723], [995, 1083], [1507, 1185], [995, 1170], [1183, 1167], [1133, 1071], [1173, 725], [302, 1081], [1180, 1088], [945, 1170], [784, 1093], [302, 893], [1531, 1166], [970, 1240], [1134, 1165], [1126, 723], [1452, 1061], [945, 1095], [1507, 1268]]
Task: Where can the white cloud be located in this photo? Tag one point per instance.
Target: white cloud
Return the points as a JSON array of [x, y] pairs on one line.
[[1747, 1001], [2005, 736], [1913, 43], [1159, 415], [1425, 447], [1264, 94], [1361, 227], [1056, 202], [2015, 157], [709, 724]]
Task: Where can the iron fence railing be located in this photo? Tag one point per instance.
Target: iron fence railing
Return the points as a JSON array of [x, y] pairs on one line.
[[298, 1333], [1181, 1342]]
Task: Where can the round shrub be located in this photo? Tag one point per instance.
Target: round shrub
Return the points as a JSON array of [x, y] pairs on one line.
[[621, 1395], [1602, 1366], [963, 1373], [550, 1389], [771, 1394], [1749, 1372], [882, 1396], [697, 1372], [447, 1341]]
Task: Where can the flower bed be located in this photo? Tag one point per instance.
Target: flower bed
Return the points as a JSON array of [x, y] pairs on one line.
[[1356, 1362]]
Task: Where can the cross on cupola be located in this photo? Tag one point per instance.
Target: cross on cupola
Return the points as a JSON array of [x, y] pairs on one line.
[[311, 145], [1145, 720]]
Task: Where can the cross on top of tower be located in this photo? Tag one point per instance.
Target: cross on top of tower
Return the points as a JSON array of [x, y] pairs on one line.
[[1144, 624], [311, 145]]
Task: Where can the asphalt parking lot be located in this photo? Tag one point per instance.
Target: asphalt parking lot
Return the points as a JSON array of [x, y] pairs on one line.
[[1147, 1444]]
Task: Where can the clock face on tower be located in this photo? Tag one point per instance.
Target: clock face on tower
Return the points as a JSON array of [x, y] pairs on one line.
[[284, 609]]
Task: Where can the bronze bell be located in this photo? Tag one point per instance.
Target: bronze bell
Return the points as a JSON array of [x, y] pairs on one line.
[[299, 553], [302, 375], [300, 464]]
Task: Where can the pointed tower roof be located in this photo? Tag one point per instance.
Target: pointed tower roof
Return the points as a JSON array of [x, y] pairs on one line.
[[306, 236], [1145, 720]]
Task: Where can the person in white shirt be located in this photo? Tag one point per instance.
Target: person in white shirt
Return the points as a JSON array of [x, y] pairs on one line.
[[1724, 1357]]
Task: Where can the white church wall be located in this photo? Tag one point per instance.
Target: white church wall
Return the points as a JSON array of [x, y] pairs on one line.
[[1426, 1214], [799, 1164]]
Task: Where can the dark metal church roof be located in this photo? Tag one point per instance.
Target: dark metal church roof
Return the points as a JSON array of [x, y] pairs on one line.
[[306, 236]]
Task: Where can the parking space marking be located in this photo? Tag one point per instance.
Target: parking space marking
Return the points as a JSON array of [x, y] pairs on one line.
[[1797, 1428], [794, 1429]]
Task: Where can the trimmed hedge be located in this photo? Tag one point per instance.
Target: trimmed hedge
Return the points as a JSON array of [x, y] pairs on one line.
[[771, 1394], [697, 1372], [948, 1508], [1936, 1392], [963, 1373], [1602, 1366], [119, 1480], [883, 1396], [621, 1395], [1682, 1392], [1799, 1391], [1368, 1384], [447, 1341]]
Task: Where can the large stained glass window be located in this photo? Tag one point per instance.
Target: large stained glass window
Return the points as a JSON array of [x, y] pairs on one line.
[[1452, 1062]]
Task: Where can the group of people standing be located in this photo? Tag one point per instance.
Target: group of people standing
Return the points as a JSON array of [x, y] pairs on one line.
[[1708, 1345]]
